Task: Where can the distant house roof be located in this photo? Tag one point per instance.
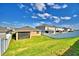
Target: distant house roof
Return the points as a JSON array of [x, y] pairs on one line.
[[3, 29], [45, 25], [26, 28]]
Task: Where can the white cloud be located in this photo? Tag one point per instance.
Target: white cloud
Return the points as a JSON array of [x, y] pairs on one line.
[[30, 9], [34, 16], [56, 19], [40, 6], [75, 15], [38, 23], [44, 15], [66, 18], [19, 24], [21, 5], [57, 6], [64, 6], [50, 4], [4, 22], [42, 22], [41, 15]]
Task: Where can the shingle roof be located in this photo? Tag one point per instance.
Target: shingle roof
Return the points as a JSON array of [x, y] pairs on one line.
[[3, 29], [26, 28]]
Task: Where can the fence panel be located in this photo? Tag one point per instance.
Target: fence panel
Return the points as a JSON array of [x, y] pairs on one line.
[[0, 46], [4, 43], [63, 35]]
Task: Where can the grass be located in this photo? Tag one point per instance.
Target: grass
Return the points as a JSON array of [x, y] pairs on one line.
[[73, 50], [40, 46]]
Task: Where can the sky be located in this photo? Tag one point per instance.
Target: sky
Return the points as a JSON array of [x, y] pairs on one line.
[[34, 14]]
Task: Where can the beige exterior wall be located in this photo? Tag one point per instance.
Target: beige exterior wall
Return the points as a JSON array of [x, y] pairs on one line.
[[61, 29], [50, 28], [34, 33], [17, 36]]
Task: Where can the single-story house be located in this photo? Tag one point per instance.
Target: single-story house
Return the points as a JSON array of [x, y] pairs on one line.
[[26, 32], [52, 29], [3, 31], [59, 29], [68, 29], [47, 28]]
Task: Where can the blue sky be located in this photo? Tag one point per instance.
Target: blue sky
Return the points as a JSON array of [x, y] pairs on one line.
[[33, 14]]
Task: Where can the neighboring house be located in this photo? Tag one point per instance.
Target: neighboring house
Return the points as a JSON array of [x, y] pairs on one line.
[[3, 31], [68, 29], [59, 29], [46, 28], [52, 29], [26, 32]]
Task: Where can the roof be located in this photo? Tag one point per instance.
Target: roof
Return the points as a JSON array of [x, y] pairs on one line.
[[26, 28], [3, 29], [46, 25]]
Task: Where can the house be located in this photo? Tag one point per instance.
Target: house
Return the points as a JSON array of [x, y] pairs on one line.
[[3, 31], [47, 28], [59, 29], [68, 29], [52, 29], [26, 32]]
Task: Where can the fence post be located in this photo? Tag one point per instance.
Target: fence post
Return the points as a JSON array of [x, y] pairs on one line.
[[0, 46]]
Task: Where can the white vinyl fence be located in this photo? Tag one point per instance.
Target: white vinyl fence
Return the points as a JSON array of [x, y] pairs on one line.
[[4, 43], [63, 35]]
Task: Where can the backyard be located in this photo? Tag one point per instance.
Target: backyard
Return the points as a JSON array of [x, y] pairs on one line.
[[43, 46]]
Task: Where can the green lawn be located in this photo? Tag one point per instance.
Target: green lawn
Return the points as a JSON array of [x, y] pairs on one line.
[[40, 46]]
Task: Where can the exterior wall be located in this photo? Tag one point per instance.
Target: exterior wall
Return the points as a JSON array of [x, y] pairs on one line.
[[69, 29], [17, 36], [42, 28], [2, 35], [50, 28], [60, 29], [34, 33]]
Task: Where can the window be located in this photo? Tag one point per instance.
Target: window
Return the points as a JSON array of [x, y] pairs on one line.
[[23, 35], [37, 32], [46, 31]]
